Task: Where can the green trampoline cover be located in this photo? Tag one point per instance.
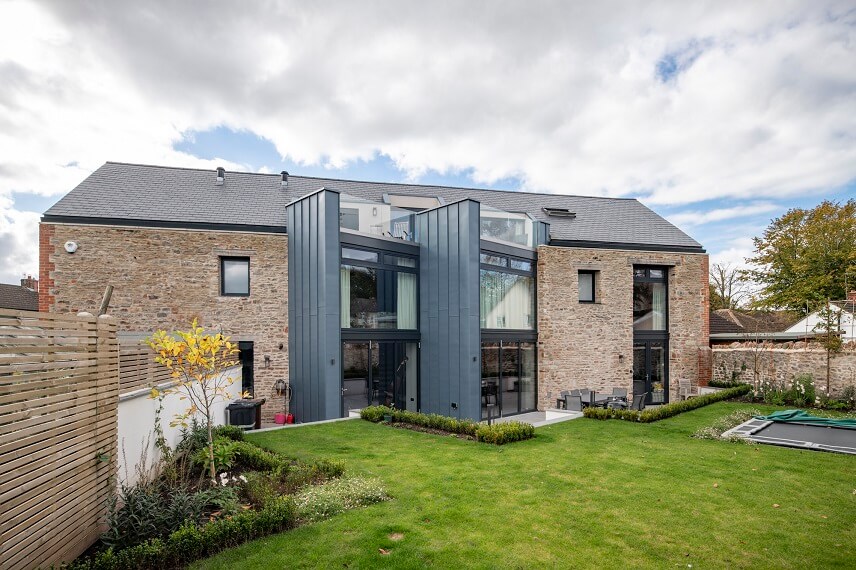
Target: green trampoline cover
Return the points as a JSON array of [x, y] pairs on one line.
[[803, 417]]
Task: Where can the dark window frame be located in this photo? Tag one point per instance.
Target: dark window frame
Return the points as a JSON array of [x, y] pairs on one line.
[[225, 258], [593, 273]]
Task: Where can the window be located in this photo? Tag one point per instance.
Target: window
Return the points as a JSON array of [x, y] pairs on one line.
[[507, 300], [650, 299], [520, 264], [235, 276], [489, 259], [375, 294], [587, 284]]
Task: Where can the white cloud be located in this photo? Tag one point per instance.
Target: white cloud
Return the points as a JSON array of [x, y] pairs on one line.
[[699, 217], [564, 96]]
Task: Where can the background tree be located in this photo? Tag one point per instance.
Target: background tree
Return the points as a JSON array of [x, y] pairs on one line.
[[829, 329], [197, 362], [803, 256], [728, 286]]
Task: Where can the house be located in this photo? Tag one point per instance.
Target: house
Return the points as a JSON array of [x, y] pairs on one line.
[[23, 297], [455, 301], [847, 311], [733, 325]]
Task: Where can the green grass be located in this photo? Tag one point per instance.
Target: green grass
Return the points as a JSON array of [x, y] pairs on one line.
[[583, 493]]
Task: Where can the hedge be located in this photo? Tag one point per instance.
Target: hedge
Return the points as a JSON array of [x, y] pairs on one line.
[[725, 383], [191, 542], [496, 434], [668, 410]]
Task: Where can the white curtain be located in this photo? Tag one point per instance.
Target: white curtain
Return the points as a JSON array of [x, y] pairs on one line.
[[406, 301], [506, 301], [658, 322], [345, 296]]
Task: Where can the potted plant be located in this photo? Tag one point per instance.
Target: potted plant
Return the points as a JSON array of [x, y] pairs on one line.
[[387, 416], [657, 392]]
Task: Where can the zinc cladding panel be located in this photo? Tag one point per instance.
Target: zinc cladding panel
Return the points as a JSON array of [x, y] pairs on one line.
[[314, 327], [449, 288]]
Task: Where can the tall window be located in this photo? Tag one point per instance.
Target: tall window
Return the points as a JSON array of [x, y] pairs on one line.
[[235, 276], [507, 293], [377, 291], [650, 304]]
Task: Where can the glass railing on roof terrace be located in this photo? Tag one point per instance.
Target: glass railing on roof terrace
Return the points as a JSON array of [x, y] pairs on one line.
[[375, 218], [506, 226]]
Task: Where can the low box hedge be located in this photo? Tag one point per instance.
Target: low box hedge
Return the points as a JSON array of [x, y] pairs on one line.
[[497, 434], [191, 542], [668, 410], [726, 383]]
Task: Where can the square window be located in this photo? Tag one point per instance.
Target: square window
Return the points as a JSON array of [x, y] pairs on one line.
[[587, 283], [521, 265], [655, 273], [490, 259], [235, 276]]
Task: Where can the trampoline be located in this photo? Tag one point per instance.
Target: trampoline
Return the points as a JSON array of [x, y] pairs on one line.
[[798, 429]]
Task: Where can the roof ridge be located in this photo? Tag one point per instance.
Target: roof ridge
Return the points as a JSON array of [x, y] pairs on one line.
[[479, 189]]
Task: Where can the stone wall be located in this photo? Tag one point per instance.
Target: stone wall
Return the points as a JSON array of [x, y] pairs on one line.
[[590, 345], [163, 278], [765, 363]]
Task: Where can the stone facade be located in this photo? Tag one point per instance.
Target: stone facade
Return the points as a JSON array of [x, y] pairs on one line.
[[590, 345], [764, 363], [163, 278]]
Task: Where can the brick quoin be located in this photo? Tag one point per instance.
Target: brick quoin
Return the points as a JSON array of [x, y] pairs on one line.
[[46, 267]]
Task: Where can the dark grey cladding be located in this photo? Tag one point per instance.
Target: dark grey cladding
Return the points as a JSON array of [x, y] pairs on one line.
[[314, 329], [448, 239]]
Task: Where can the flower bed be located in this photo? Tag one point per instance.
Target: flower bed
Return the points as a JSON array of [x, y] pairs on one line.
[[497, 434], [667, 411], [179, 516]]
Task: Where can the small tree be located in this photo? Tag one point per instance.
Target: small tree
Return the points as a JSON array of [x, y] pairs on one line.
[[196, 362], [829, 327]]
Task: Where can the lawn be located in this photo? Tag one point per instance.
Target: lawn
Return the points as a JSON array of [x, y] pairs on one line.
[[583, 493]]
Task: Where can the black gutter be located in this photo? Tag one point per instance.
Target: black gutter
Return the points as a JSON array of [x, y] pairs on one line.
[[631, 246], [53, 219]]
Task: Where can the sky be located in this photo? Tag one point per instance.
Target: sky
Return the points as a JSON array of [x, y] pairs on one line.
[[720, 115]]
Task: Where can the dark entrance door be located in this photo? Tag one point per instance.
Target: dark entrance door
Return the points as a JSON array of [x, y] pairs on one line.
[[650, 370], [380, 373], [246, 358]]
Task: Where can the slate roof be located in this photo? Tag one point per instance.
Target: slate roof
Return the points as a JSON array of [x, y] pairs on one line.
[[18, 298], [733, 321], [187, 196]]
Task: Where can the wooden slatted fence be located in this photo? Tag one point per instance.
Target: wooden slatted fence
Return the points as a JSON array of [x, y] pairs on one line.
[[137, 368], [58, 422]]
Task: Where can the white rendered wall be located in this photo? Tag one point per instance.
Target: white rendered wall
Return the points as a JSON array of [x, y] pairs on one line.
[[848, 324], [137, 419]]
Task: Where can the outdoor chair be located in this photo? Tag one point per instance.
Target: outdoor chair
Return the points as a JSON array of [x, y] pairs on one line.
[[617, 404], [619, 392], [573, 403], [686, 390], [586, 396], [560, 401], [638, 402]]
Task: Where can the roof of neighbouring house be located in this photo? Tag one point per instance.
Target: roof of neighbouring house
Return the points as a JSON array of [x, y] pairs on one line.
[[737, 321], [18, 298], [188, 197]]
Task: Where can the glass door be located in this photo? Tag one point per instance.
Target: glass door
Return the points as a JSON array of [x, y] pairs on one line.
[[650, 370], [508, 384], [381, 373], [490, 380], [510, 378]]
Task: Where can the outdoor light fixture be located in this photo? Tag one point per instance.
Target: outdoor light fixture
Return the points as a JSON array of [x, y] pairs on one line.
[[279, 386], [267, 361]]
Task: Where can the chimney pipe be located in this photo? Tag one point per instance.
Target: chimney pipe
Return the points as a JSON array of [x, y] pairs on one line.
[[221, 175], [284, 178]]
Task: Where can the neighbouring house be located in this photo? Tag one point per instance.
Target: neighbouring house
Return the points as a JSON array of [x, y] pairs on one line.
[[454, 301], [737, 325], [847, 311], [23, 297]]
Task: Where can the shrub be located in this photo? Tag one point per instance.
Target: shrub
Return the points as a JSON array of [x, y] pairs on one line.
[[224, 455], [229, 432], [191, 542], [253, 458], [725, 423], [725, 383], [669, 410], [138, 513], [497, 434], [327, 500]]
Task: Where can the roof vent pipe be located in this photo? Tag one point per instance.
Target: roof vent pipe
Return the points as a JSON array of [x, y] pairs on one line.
[[284, 179], [221, 175]]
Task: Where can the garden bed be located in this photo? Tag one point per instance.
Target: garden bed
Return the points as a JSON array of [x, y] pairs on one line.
[[181, 515], [497, 434]]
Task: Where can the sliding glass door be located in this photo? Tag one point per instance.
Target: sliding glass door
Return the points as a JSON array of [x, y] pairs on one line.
[[507, 378], [379, 373]]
